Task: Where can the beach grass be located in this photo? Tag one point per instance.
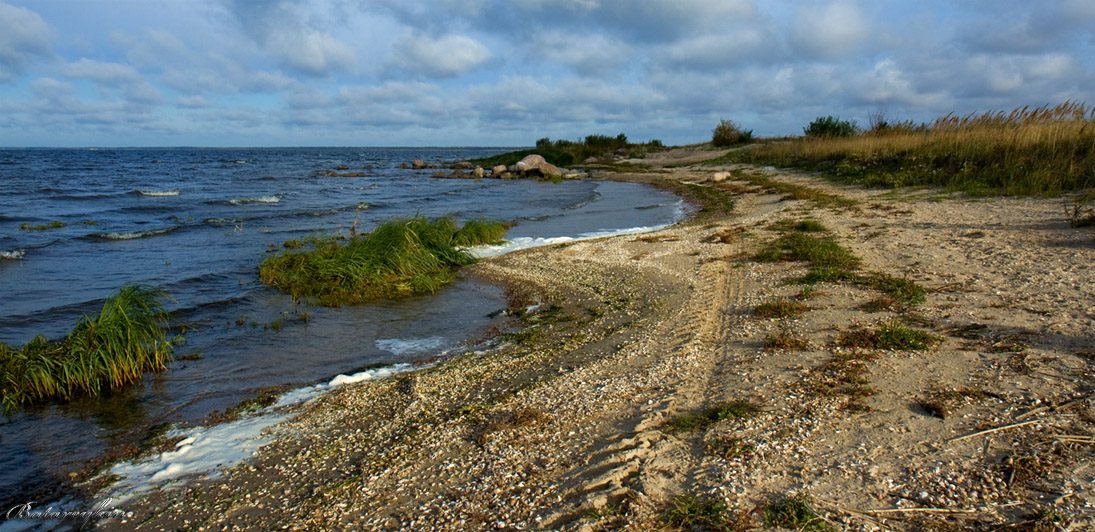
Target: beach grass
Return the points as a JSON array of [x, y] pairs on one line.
[[103, 352], [1041, 151], [400, 257]]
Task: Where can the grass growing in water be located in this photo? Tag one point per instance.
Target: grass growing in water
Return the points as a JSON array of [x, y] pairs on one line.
[[103, 352], [402, 256]]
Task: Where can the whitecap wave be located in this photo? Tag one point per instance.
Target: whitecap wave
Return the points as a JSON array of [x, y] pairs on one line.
[[134, 234], [12, 254], [159, 193], [259, 199]]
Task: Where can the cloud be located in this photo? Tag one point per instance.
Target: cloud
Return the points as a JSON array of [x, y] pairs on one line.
[[24, 38], [589, 55], [447, 56], [113, 75], [290, 32], [193, 102], [830, 30]]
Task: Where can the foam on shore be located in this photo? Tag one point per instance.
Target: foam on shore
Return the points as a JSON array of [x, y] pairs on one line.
[[525, 242], [208, 450]]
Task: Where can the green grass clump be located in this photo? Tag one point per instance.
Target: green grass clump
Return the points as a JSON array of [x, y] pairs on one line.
[[402, 256], [714, 202], [691, 513], [795, 513], [565, 153], [900, 289], [889, 334], [42, 227], [103, 352], [821, 253], [706, 418]]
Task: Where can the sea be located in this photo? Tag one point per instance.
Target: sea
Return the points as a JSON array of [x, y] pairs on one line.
[[76, 224]]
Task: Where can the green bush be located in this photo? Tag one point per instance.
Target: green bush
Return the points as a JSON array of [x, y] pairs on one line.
[[831, 127], [727, 133]]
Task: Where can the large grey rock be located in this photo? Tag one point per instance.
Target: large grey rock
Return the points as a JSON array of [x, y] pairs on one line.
[[535, 164]]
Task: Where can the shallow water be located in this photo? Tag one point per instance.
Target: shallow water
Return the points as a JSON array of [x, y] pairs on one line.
[[196, 223]]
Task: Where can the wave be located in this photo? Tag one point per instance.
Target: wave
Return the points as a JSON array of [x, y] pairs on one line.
[[593, 197], [157, 193], [410, 346], [244, 201], [14, 254], [133, 234]]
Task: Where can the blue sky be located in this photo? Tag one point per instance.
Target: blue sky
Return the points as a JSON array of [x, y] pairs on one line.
[[507, 72]]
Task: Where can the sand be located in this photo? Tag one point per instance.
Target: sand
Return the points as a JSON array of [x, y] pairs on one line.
[[567, 424]]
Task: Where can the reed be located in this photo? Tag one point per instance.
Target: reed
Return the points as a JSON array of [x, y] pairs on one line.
[[1040, 151], [103, 352], [402, 256]]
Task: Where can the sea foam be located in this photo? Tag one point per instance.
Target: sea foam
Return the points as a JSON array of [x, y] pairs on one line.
[[159, 193]]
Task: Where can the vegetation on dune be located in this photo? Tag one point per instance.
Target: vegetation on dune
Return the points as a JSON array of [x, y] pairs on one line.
[[1042, 151], [402, 256], [103, 352], [566, 153], [727, 133]]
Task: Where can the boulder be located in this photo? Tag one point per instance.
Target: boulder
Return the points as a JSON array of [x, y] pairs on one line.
[[719, 176], [478, 172], [536, 165], [463, 165], [498, 170], [419, 164]]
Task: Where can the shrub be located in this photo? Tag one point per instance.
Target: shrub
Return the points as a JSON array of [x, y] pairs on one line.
[[728, 133], [831, 127]]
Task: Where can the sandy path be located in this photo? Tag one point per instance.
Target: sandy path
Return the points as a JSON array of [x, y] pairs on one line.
[[565, 426]]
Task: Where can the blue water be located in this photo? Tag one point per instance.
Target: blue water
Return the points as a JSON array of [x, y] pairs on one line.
[[196, 223]]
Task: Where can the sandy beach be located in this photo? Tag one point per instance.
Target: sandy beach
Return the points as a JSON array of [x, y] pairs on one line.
[[569, 422]]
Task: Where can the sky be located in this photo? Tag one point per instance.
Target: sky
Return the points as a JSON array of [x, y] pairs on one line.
[[508, 72]]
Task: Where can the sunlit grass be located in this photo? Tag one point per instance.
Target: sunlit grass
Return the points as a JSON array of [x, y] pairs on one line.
[[402, 256], [1047, 150]]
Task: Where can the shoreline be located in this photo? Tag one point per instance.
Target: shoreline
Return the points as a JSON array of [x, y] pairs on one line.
[[566, 427]]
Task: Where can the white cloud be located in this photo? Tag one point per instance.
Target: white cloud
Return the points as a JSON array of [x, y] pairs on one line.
[[829, 30], [590, 55], [24, 37], [310, 51], [100, 71], [447, 56], [194, 102]]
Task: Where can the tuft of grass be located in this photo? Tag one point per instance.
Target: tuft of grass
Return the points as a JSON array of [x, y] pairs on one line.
[[889, 334], [706, 418], [819, 252], [846, 374], [102, 352], [523, 416], [402, 256], [691, 513], [786, 340], [899, 288], [780, 309], [42, 227], [796, 513]]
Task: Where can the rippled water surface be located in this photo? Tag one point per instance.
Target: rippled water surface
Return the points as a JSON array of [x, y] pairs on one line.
[[77, 224]]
